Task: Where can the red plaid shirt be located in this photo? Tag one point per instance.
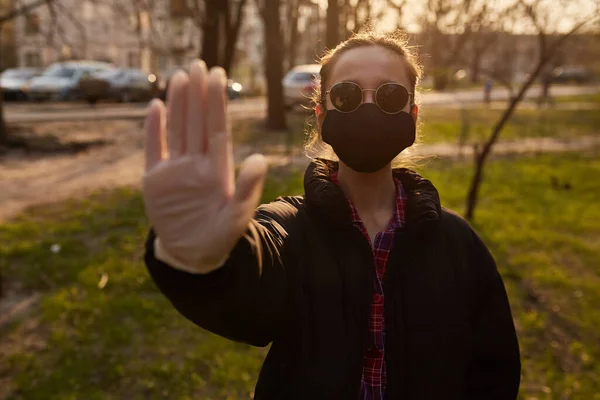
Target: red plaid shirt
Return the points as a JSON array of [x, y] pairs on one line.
[[373, 381]]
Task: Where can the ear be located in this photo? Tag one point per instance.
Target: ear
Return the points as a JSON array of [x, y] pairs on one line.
[[414, 111], [320, 113]]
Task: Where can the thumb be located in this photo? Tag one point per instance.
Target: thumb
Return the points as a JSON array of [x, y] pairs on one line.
[[250, 181]]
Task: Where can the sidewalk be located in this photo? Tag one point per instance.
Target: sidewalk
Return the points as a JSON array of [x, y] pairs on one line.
[[453, 151]]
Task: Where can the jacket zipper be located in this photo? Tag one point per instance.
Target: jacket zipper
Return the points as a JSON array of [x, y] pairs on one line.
[[400, 246], [367, 307]]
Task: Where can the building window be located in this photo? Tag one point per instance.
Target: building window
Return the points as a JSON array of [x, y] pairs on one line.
[[88, 10], [178, 58], [32, 24], [133, 60], [163, 63], [33, 59], [179, 8], [178, 27]]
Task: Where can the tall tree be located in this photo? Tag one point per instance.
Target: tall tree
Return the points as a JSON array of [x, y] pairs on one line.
[[333, 24], [233, 17], [447, 27], [270, 12], [399, 6], [10, 16], [292, 12], [547, 24], [220, 22], [211, 33]]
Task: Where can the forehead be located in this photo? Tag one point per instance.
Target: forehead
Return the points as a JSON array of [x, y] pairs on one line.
[[369, 66]]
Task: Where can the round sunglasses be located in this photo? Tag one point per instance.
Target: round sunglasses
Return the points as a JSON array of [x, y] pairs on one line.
[[391, 98]]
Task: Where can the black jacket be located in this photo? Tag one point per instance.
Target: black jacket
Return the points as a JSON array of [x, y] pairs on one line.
[[302, 278]]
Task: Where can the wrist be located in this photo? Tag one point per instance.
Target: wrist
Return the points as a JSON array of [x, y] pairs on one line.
[[189, 266]]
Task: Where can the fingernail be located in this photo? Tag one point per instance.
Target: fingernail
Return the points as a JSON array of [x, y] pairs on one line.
[[198, 64], [155, 104], [220, 74]]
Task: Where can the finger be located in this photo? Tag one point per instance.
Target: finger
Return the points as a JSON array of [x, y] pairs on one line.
[[155, 128], [196, 109], [177, 109], [218, 133], [248, 190]]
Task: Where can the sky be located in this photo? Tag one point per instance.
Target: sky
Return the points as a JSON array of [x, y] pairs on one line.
[[563, 14]]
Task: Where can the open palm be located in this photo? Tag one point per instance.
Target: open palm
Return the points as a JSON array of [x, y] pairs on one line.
[[191, 197]]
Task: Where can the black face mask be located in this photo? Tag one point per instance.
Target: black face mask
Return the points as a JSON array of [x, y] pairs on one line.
[[368, 139]]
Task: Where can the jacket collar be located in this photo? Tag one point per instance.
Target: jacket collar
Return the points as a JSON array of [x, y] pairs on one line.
[[324, 196]]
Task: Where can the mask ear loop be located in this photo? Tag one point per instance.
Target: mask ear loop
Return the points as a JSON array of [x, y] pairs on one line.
[[414, 111], [320, 108]]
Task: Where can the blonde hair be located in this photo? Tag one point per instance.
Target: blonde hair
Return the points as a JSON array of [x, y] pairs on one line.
[[395, 41]]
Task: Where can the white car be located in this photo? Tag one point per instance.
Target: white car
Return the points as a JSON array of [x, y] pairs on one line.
[[299, 85], [12, 82], [60, 81]]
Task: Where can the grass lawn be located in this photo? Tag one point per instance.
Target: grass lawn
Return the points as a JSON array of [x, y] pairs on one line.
[[584, 98], [445, 124], [102, 331], [439, 124]]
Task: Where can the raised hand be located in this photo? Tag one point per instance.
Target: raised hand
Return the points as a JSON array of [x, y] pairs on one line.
[[197, 209]]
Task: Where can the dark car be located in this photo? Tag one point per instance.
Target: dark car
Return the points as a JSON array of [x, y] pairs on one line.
[[118, 84], [61, 81], [571, 75], [234, 89], [14, 82]]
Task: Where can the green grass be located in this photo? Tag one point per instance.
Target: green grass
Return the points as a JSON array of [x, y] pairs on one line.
[[439, 124], [126, 341], [472, 125], [584, 98]]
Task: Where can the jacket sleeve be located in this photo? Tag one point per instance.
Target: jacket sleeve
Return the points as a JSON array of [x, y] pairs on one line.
[[495, 369], [243, 300]]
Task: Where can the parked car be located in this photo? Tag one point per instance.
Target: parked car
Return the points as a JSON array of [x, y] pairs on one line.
[[60, 81], [120, 84], [299, 85], [14, 80], [571, 75], [234, 89]]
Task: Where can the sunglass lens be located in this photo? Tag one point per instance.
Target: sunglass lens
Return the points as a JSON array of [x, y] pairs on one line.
[[392, 98], [345, 96]]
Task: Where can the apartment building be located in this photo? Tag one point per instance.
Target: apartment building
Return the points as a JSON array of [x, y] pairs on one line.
[[126, 33], [8, 55]]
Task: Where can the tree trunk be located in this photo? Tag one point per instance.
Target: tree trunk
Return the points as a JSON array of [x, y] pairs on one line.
[[546, 55], [476, 66], [233, 32], [274, 65], [333, 24], [482, 156], [3, 141], [287, 39], [440, 79], [209, 51], [293, 43], [3, 128]]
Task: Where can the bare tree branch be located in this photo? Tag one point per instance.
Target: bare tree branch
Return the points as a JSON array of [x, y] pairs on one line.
[[481, 157], [76, 22], [23, 10]]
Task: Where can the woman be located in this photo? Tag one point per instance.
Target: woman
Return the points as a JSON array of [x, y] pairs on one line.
[[365, 286]]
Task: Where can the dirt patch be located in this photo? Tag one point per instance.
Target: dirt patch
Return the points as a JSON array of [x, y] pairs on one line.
[[29, 178], [32, 144]]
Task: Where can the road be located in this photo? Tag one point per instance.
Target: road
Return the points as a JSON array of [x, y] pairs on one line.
[[256, 107]]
